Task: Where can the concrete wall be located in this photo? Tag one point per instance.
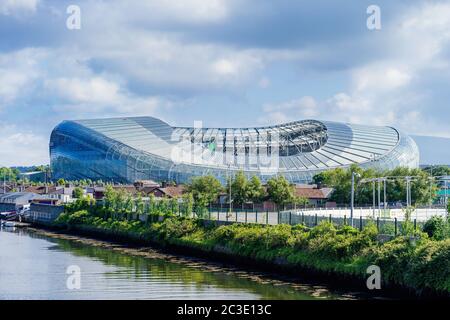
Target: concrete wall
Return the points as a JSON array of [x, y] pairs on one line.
[[44, 213]]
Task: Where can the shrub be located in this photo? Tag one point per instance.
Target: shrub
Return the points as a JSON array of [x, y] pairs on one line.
[[436, 228], [78, 217]]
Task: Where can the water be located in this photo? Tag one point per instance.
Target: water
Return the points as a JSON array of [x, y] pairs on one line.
[[33, 266]]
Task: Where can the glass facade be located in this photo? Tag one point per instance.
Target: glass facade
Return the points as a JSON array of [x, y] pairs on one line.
[[135, 148]]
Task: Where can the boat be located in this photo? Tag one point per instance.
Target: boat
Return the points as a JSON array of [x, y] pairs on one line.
[[9, 224]]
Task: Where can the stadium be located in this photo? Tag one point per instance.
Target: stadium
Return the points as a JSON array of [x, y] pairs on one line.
[[141, 148]]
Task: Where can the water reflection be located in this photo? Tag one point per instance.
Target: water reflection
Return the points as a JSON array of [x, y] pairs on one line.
[[33, 266]]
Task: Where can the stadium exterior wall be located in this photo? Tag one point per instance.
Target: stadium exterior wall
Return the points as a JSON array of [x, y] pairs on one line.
[[137, 148]]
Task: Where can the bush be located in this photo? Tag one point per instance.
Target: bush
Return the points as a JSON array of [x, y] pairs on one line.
[[436, 228], [78, 217], [415, 262]]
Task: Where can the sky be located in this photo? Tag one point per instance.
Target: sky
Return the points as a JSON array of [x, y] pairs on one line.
[[227, 63]]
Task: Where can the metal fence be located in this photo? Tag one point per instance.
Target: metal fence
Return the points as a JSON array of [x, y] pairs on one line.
[[389, 223]]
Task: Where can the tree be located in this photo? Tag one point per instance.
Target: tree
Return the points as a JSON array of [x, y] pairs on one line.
[[437, 170], [340, 180], [9, 174], [139, 204], [110, 198], [78, 193], [301, 201], [239, 188], [255, 190], [61, 182], [188, 204], [280, 191], [204, 189]]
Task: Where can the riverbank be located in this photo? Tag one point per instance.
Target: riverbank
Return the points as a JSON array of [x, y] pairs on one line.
[[120, 271], [341, 256], [307, 284]]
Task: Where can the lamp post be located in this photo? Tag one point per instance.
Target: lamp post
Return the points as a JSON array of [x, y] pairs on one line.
[[352, 204], [229, 183]]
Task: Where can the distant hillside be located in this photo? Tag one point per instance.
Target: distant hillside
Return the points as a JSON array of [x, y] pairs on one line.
[[433, 150]]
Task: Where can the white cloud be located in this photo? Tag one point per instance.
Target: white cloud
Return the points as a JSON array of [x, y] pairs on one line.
[[96, 94], [11, 7], [95, 90], [22, 148], [380, 78], [400, 87], [18, 70], [196, 11], [305, 107]]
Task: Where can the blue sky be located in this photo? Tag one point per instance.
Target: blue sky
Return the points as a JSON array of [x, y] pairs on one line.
[[226, 63]]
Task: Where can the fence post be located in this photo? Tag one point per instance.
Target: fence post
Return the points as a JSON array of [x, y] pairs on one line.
[[256, 217], [267, 216], [209, 214], [226, 216], [415, 224], [290, 217], [360, 223], [378, 224], [315, 219], [303, 217], [345, 219], [245, 216], [278, 217], [395, 223], [330, 218], [218, 215]]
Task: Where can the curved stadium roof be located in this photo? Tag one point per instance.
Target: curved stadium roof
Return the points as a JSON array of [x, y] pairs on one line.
[[127, 149]]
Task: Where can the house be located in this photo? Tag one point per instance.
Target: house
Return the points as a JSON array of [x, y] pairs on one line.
[[145, 183], [16, 200], [5, 189], [61, 194], [168, 192], [173, 191], [317, 196], [40, 189]]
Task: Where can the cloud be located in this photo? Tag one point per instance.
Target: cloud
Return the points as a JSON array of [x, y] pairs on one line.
[[22, 148], [380, 78], [11, 7], [399, 87], [18, 70], [305, 107], [195, 11]]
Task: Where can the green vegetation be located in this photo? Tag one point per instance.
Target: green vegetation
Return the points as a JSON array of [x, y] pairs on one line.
[[280, 191], [412, 260], [340, 180], [9, 174], [77, 193], [437, 228], [205, 190]]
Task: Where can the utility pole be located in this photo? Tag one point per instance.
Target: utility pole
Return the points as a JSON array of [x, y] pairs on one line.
[[229, 183], [408, 191], [352, 201], [373, 197], [379, 196]]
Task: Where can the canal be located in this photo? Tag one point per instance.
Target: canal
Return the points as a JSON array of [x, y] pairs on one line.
[[34, 266]]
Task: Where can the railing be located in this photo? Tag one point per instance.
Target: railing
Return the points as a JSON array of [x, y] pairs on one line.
[[390, 222]]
